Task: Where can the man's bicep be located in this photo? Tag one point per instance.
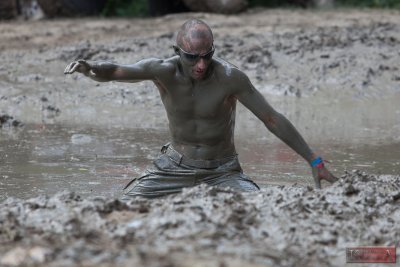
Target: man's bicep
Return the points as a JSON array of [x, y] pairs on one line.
[[143, 70], [252, 99], [258, 105]]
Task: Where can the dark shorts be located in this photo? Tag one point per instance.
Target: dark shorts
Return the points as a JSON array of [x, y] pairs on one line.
[[170, 175]]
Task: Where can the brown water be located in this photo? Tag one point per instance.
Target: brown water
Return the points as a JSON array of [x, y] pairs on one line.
[[100, 161]]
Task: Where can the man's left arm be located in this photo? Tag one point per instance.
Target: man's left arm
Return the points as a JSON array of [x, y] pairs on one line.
[[280, 126]]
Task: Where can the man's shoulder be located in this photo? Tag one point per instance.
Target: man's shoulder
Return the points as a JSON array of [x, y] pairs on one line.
[[157, 67], [227, 70], [167, 64]]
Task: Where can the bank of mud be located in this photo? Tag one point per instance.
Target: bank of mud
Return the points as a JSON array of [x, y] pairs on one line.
[[203, 226]]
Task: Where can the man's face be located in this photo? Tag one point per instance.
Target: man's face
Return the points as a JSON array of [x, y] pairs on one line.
[[196, 57]]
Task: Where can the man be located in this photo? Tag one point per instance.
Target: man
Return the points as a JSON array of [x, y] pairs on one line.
[[199, 94]]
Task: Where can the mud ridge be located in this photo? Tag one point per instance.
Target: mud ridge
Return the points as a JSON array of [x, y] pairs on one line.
[[280, 226], [9, 121]]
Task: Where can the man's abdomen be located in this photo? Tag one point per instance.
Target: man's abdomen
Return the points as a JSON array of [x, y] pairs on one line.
[[203, 139]]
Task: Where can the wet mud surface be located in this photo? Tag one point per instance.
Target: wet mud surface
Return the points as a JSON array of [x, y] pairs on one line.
[[315, 68], [101, 161], [280, 226], [335, 75]]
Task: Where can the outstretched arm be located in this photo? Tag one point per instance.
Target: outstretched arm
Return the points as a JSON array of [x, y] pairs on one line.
[[103, 71], [280, 126]]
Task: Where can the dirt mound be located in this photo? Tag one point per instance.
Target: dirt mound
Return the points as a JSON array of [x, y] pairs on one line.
[[8, 121], [280, 226]]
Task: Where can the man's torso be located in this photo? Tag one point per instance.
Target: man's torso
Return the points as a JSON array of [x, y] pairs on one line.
[[201, 114]]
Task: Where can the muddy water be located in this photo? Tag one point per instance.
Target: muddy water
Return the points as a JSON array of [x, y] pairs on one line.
[[89, 161], [39, 159]]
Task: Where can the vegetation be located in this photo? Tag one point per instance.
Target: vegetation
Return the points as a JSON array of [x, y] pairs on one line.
[[370, 3], [126, 8], [140, 8], [337, 3]]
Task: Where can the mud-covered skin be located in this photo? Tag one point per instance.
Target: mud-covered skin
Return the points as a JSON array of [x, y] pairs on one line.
[[200, 99]]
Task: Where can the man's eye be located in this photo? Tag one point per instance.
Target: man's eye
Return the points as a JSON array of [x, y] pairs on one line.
[[190, 56], [208, 55]]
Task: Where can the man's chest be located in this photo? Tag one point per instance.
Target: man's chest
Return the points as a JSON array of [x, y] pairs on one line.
[[203, 100]]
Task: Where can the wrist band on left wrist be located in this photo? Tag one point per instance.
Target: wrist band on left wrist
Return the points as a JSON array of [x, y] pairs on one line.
[[317, 162]]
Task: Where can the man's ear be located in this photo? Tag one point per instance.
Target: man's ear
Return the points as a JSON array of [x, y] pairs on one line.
[[176, 49]]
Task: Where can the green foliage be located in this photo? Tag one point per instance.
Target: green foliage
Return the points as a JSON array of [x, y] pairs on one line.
[[370, 3], [126, 8], [338, 3], [270, 3], [140, 8]]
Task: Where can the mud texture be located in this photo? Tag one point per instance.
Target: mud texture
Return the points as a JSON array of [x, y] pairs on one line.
[[204, 226], [8, 121], [316, 68]]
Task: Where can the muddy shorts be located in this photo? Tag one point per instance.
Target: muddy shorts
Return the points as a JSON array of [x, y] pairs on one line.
[[172, 172]]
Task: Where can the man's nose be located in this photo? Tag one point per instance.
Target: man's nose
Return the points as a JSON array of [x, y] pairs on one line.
[[201, 64]]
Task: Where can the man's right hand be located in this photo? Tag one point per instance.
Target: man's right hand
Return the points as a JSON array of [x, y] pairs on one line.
[[80, 65]]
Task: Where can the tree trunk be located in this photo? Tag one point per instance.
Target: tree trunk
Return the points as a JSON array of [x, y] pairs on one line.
[[53, 8], [162, 7]]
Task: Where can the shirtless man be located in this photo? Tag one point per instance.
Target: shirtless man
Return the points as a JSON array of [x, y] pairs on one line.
[[199, 93]]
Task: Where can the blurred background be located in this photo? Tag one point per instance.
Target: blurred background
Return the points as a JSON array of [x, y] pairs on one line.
[[37, 9]]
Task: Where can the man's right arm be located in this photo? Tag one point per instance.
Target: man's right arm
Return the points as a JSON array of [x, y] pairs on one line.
[[147, 69]]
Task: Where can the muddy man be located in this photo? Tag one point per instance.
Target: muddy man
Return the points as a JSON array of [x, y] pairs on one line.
[[199, 93]]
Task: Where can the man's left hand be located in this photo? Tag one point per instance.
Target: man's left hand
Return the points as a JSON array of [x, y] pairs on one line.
[[322, 173]]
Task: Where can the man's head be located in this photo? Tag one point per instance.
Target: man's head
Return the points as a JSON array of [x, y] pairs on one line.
[[194, 45]]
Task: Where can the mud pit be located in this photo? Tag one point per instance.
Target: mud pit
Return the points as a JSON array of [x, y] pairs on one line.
[[203, 226], [334, 75]]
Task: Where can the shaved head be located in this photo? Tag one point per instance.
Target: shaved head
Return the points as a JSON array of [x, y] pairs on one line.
[[192, 32]]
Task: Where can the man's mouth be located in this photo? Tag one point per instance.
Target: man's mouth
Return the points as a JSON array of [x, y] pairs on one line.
[[199, 72]]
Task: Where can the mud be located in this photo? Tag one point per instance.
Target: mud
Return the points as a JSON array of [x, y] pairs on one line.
[[280, 226], [335, 75], [9, 121], [315, 68]]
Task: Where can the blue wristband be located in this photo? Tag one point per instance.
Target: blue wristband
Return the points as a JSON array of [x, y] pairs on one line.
[[316, 161]]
